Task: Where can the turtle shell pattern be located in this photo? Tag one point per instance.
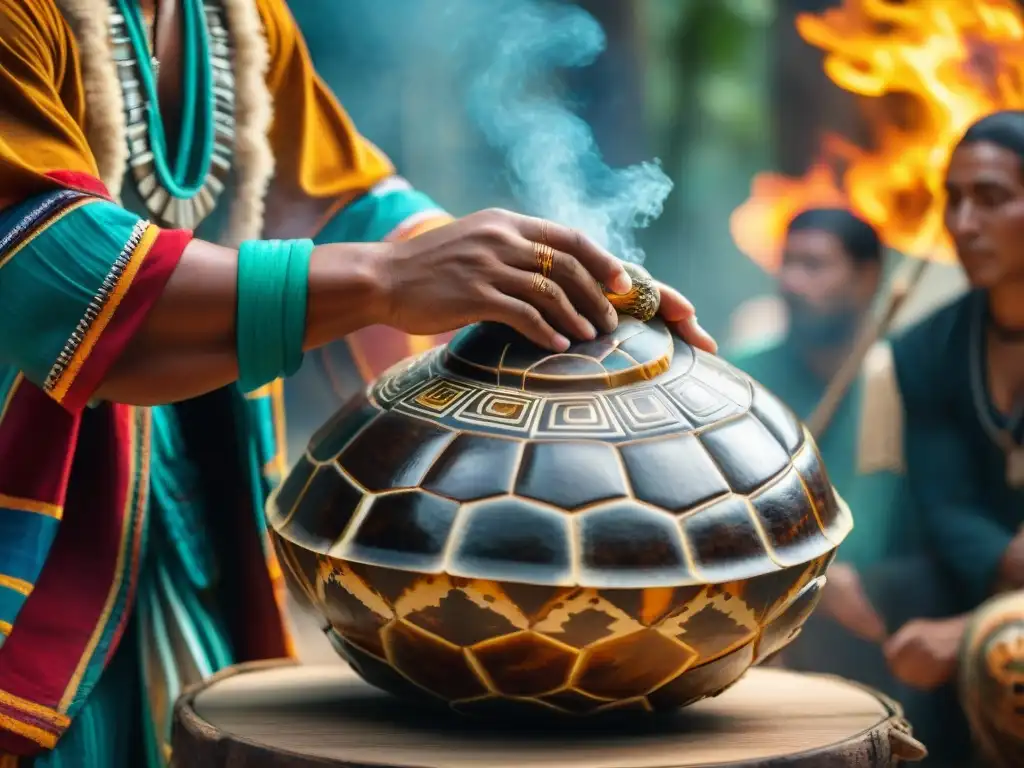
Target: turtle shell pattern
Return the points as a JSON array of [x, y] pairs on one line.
[[629, 524]]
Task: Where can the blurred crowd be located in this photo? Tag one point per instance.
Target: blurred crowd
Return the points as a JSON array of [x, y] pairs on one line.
[[926, 598]]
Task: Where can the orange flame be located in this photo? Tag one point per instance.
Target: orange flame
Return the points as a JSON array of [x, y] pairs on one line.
[[759, 225], [932, 67]]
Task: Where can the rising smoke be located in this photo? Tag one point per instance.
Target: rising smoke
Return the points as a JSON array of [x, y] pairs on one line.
[[506, 56], [501, 60], [557, 169]]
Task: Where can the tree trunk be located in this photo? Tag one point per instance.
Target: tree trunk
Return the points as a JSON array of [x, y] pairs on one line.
[[805, 103]]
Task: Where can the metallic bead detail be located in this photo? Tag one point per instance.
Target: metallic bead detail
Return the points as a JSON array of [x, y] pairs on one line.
[[96, 305], [642, 300], [31, 219], [177, 213]]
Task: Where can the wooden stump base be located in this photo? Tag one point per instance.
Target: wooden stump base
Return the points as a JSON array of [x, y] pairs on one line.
[[278, 715]]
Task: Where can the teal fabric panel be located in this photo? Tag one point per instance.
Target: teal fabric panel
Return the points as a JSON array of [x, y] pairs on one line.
[[8, 375], [261, 415], [177, 497], [102, 732], [49, 281], [372, 217], [181, 639], [11, 602], [25, 538]]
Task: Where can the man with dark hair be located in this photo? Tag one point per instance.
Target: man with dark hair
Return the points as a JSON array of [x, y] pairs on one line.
[[830, 275]]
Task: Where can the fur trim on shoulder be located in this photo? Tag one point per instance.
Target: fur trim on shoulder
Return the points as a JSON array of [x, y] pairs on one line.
[[105, 119], [253, 161]]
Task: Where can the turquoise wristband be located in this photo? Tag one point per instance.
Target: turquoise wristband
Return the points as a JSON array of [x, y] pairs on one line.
[[271, 316], [260, 305], [296, 297]]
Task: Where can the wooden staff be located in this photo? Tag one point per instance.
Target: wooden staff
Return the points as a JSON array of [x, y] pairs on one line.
[[902, 286]]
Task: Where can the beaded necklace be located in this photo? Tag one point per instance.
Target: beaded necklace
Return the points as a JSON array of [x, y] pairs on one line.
[[1009, 436], [181, 191]]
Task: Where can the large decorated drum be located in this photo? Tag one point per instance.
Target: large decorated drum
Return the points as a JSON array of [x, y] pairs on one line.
[[629, 524]]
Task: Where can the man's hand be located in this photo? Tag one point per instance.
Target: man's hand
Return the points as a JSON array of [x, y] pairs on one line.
[[677, 311], [844, 600], [923, 653], [486, 267]]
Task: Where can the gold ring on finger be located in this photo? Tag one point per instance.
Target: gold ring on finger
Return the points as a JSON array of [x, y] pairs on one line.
[[545, 258], [544, 231], [542, 285]]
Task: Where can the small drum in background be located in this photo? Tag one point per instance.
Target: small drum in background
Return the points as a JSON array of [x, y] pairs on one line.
[[992, 679], [281, 715]]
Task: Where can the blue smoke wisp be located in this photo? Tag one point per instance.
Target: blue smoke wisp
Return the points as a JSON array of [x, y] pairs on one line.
[[556, 166]]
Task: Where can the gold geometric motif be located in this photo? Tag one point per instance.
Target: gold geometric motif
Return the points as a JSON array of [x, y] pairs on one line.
[[694, 397], [584, 416], [645, 409], [404, 376], [584, 618], [499, 409], [715, 623], [440, 396], [575, 650]]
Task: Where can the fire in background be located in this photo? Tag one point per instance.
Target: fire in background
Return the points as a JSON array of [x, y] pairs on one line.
[[926, 70]]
